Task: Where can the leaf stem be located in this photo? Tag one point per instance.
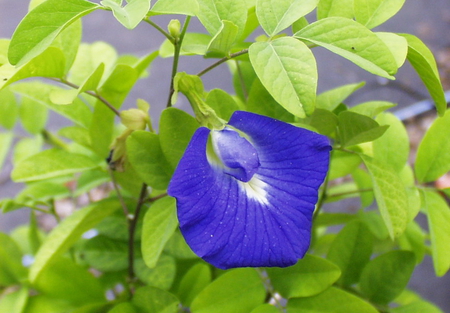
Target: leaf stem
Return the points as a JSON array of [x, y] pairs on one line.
[[349, 192], [162, 31], [214, 65], [133, 219], [176, 57]]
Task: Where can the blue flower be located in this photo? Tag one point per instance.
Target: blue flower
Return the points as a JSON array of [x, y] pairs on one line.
[[246, 196]]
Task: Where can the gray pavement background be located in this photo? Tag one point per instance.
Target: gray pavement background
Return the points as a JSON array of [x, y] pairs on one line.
[[428, 19]]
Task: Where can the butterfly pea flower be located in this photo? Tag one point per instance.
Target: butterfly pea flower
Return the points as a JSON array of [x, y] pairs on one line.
[[246, 194]]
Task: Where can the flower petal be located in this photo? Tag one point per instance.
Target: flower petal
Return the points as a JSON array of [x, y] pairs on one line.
[[265, 221]]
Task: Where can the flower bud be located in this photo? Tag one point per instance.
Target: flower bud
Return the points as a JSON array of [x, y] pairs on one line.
[[134, 119], [174, 28]]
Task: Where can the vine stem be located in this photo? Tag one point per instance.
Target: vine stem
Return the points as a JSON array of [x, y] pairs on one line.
[[214, 65], [177, 46], [133, 219], [91, 93], [162, 31]]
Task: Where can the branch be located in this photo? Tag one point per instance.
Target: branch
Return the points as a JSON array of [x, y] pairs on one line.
[[214, 65]]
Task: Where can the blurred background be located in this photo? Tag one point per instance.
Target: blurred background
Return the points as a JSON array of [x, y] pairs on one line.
[[427, 19]]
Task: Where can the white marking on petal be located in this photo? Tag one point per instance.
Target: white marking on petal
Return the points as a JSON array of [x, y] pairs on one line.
[[255, 189]]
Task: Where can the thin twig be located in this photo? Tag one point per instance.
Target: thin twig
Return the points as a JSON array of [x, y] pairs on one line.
[[214, 65], [153, 199], [162, 31], [345, 193], [131, 230], [177, 46]]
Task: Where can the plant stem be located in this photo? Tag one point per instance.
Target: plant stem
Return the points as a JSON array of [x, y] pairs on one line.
[[119, 194], [214, 65], [349, 193], [162, 31], [176, 57], [131, 230], [91, 93]]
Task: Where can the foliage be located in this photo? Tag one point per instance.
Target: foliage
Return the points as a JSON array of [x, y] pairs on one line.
[[136, 259]]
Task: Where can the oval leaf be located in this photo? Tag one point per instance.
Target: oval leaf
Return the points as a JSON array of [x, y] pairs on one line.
[[287, 68], [375, 12]]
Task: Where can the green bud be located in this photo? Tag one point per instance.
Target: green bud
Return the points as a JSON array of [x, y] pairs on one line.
[[174, 28], [134, 119]]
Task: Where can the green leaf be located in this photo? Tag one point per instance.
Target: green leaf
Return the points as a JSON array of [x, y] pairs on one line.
[[351, 251], [51, 163], [375, 12], [160, 222], [175, 131], [193, 44], [310, 276], [265, 308], [277, 15], [390, 195], [33, 115], [261, 102], [417, 307], [66, 280], [131, 14], [287, 68], [438, 213], [63, 96], [51, 63], [222, 296], [9, 109], [212, 12], [161, 276], [40, 27], [385, 277], [11, 269], [331, 300], [155, 300], [433, 154], [330, 99], [342, 163], [178, 248], [364, 182], [323, 121], [397, 44], [68, 42], [63, 236], [375, 223], [329, 8], [43, 191], [14, 302], [352, 41], [223, 40], [393, 147], [422, 59], [27, 147], [413, 239], [355, 128], [77, 112], [123, 307], [185, 7], [372, 108], [222, 103], [145, 155], [193, 282], [105, 254], [5, 144]]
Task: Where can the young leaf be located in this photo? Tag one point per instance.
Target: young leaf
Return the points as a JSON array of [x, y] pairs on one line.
[[11, 269], [265, 308], [222, 296], [390, 195], [372, 108], [131, 14], [15, 302], [33, 115], [193, 282], [355, 128], [40, 27], [275, 15], [175, 131], [5, 143], [375, 12], [417, 307], [105, 254], [331, 300], [9, 109], [287, 68], [393, 147], [422, 59], [385, 277], [185, 7], [152, 299], [223, 40], [351, 251], [161, 276], [397, 44], [329, 8], [438, 213], [222, 103], [342, 163], [160, 222], [433, 154], [68, 232], [323, 121], [352, 41], [212, 12], [310, 276], [330, 99], [51, 163], [413, 239], [145, 155]]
